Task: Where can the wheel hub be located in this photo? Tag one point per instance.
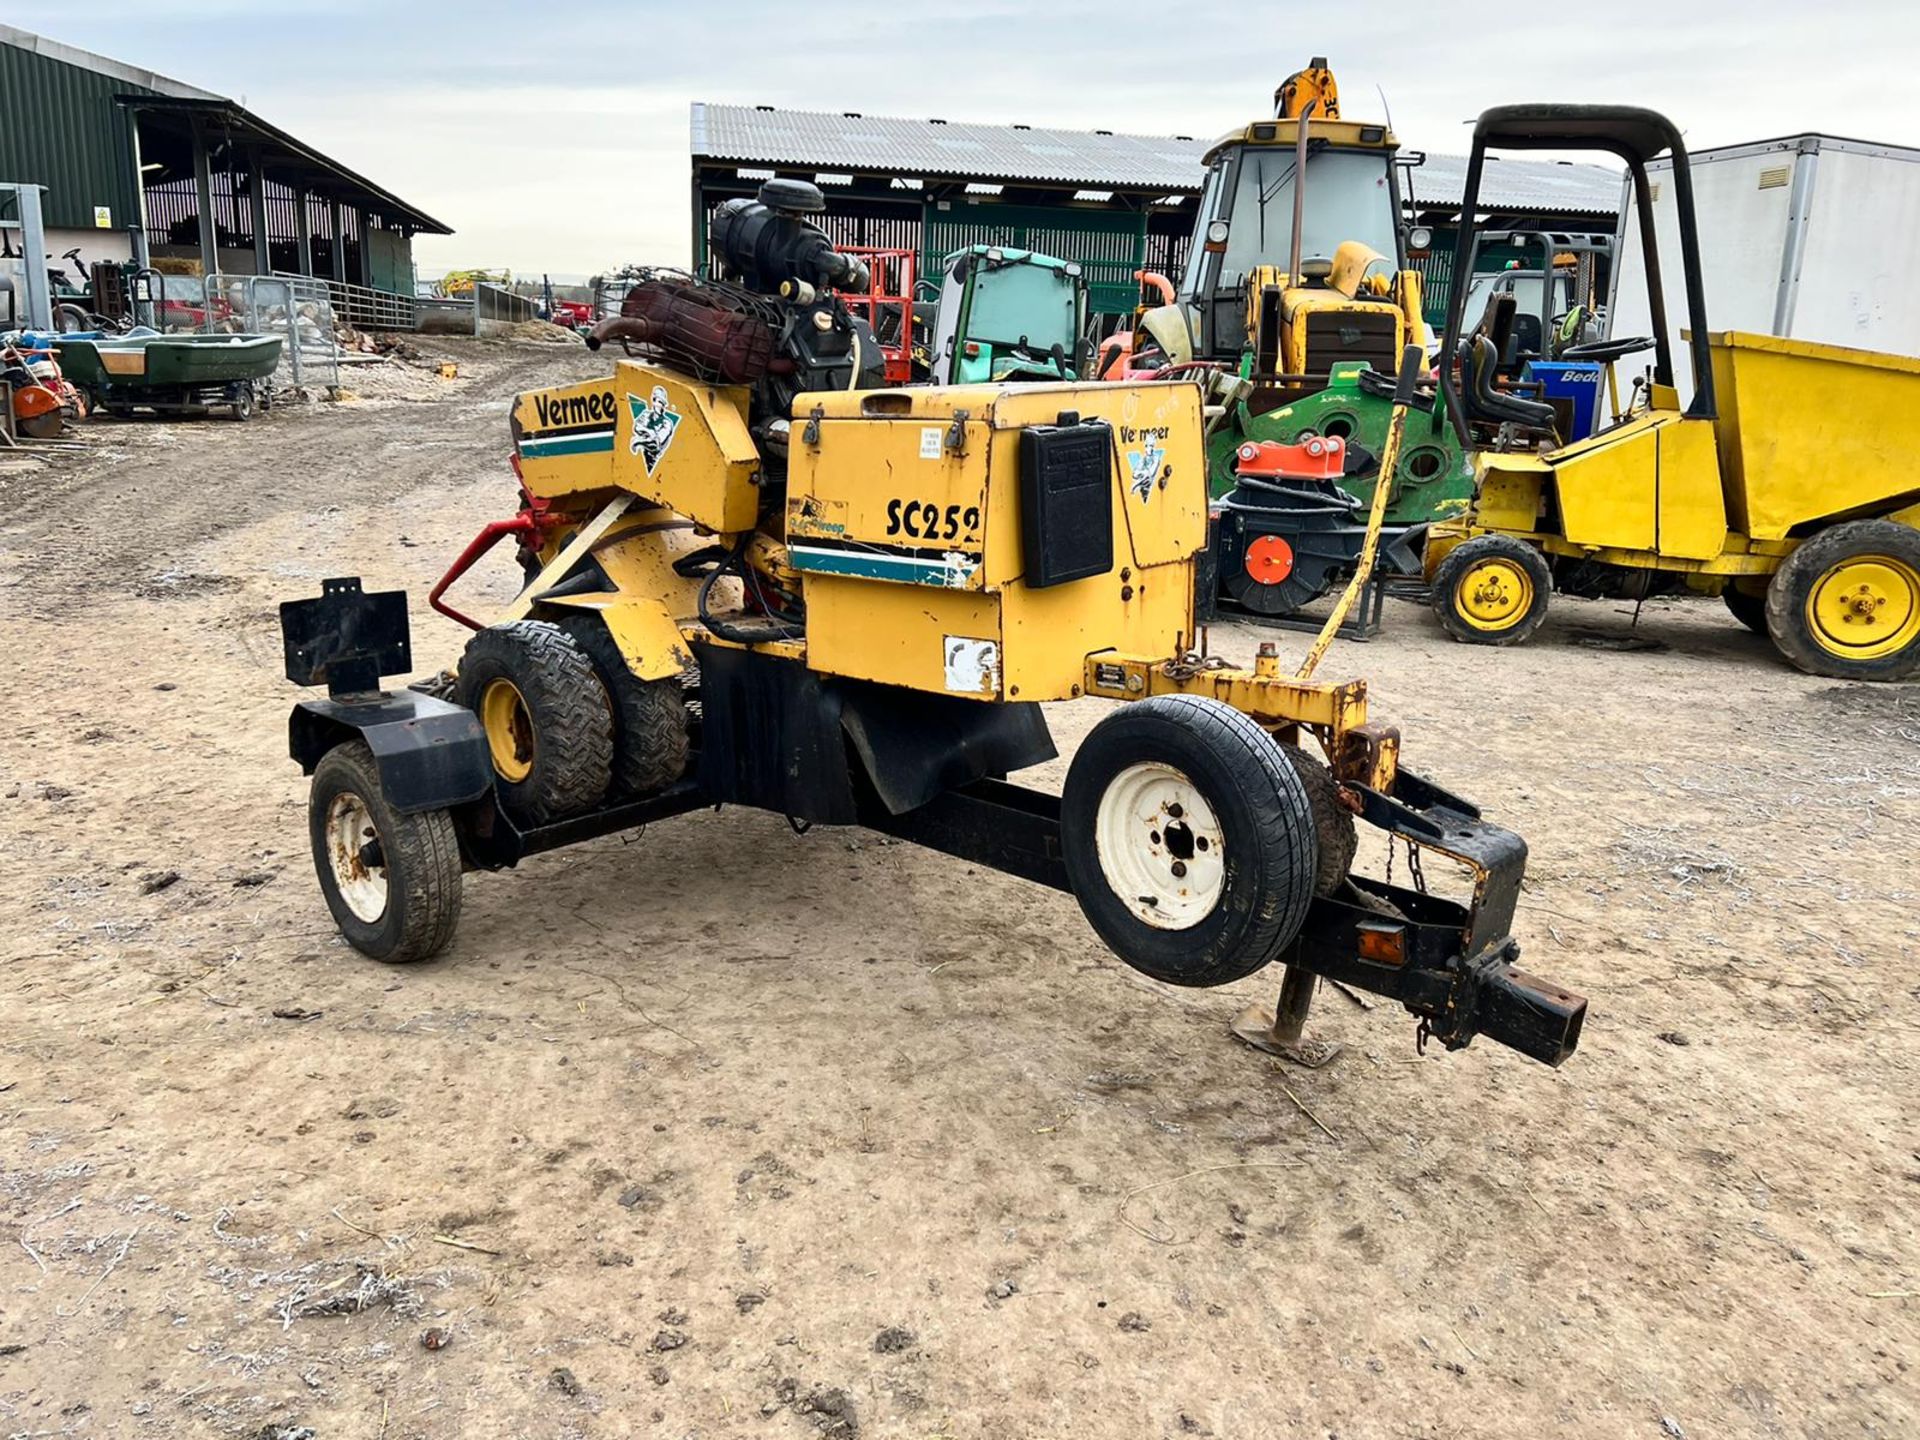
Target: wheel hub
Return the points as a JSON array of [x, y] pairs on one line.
[[1866, 607], [353, 852], [1161, 847], [509, 726], [1494, 594]]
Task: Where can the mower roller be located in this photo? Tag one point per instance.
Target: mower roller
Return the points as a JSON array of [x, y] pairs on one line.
[[758, 579]]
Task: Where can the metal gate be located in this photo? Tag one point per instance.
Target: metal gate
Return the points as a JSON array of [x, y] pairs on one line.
[[299, 311]]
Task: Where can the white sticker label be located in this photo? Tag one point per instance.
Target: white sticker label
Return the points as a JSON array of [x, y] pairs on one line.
[[930, 443], [973, 666]]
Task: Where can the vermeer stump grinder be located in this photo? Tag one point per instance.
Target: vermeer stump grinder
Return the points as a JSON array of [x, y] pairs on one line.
[[756, 578]]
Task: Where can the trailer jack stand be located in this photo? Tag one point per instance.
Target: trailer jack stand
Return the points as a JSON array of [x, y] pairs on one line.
[[1282, 1031]]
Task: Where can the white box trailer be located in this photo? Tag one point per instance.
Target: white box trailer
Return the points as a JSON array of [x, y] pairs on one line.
[[1809, 237]]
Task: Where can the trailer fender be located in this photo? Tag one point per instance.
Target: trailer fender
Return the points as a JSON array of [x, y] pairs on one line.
[[649, 638], [432, 754]]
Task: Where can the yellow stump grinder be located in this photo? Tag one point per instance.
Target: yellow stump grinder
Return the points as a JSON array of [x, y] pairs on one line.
[[756, 577]]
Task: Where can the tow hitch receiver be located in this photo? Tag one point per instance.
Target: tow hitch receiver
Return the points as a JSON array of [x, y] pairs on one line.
[[1451, 964]]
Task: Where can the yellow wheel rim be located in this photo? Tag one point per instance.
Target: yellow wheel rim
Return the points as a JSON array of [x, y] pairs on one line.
[[1494, 594], [1866, 607], [509, 726]]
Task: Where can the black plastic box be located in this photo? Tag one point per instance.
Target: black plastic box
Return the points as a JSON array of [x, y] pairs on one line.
[[1066, 501]]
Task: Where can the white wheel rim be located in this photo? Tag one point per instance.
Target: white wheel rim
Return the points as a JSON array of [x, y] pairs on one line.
[[1160, 846], [349, 828]]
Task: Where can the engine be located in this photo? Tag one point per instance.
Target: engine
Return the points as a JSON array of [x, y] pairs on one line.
[[775, 324]]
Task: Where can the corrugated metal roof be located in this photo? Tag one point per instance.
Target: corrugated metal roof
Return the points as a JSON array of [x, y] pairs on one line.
[[128, 75], [1555, 187], [66, 124], [885, 144], [1169, 164]]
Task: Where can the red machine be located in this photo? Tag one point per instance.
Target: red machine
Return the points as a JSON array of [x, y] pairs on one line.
[[573, 314], [887, 305]]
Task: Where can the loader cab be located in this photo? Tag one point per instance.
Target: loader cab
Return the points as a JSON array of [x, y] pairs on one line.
[[1007, 315], [1243, 228]]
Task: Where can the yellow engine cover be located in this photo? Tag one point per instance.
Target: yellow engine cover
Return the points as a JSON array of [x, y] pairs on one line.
[[670, 440], [904, 517]]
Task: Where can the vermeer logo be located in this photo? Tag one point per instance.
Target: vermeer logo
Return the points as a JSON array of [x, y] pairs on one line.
[[1145, 452], [654, 424], [552, 411]]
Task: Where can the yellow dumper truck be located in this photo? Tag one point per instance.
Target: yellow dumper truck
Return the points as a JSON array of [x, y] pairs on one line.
[[1787, 483]]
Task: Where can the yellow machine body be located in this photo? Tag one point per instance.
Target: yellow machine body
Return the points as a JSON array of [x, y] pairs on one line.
[[1284, 311], [904, 515], [1806, 433], [1285, 315], [901, 529], [648, 431]]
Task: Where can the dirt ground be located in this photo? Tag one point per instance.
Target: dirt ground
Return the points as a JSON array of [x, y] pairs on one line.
[[716, 1130]]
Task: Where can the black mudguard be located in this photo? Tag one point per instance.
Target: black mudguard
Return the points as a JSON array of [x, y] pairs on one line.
[[432, 754], [784, 738]]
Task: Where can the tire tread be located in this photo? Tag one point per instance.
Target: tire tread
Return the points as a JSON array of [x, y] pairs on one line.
[[1793, 583], [650, 741], [423, 861], [574, 761]]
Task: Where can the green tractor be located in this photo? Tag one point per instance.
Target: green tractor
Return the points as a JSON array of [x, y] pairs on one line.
[[1007, 314]]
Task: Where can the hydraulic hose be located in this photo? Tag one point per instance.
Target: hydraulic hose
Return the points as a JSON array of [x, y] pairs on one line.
[[770, 629]]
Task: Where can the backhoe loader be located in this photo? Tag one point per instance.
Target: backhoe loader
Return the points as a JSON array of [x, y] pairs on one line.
[[1293, 310], [760, 579], [1786, 484]]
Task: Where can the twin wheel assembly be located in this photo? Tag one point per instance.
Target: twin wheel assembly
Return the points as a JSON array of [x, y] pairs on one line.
[[567, 724]]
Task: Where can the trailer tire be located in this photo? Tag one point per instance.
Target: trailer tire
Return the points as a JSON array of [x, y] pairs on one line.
[[1179, 778], [1749, 609], [1492, 590], [1333, 826], [650, 741], [405, 907], [1846, 604], [548, 723]]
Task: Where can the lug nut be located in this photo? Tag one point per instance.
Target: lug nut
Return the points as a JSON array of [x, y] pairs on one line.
[[1179, 869]]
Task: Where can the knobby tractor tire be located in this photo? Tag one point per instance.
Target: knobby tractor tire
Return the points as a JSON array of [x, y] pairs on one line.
[[1333, 825], [650, 745], [1749, 609], [1244, 895], [1492, 590], [548, 722], [1846, 604], [405, 906]]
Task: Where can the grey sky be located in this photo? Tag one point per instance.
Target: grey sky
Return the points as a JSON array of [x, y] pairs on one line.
[[554, 137]]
